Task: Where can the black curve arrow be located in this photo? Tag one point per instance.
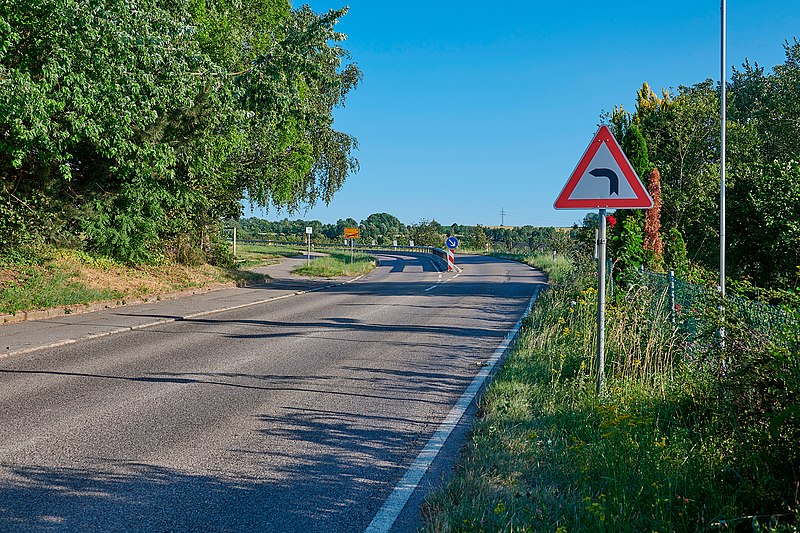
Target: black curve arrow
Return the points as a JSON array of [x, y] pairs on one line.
[[612, 178]]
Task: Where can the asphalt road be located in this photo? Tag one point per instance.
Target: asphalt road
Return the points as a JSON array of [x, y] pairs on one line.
[[298, 414]]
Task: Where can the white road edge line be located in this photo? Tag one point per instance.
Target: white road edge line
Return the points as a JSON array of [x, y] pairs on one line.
[[394, 504], [168, 320], [431, 288]]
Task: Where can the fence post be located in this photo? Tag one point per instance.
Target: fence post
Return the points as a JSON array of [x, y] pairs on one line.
[[672, 296]]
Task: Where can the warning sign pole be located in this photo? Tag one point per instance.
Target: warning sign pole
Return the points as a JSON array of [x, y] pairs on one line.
[[601, 302], [604, 179]]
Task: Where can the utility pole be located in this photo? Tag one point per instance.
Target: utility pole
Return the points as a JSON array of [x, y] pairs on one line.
[[723, 90], [724, 118], [502, 217]]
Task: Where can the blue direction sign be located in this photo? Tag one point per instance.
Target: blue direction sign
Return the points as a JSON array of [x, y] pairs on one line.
[[452, 243]]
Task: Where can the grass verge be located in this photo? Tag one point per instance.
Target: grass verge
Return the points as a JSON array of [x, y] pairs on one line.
[[559, 269], [252, 255], [673, 444], [337, 264], [52, 278]]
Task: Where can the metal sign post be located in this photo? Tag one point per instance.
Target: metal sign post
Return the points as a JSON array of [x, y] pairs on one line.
[[352, 234], [309, 230], [601, 302]]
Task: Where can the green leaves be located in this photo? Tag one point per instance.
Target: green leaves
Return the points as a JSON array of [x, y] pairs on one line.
[[680, 135], [143, 120], [295, 156]]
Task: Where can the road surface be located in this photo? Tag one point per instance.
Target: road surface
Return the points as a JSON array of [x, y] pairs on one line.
[[298, 414]]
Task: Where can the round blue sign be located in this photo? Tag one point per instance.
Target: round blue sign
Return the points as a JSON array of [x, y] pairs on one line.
[[452, 242]]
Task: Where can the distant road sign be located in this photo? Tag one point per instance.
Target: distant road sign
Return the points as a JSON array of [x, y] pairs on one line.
[[351, 233], [452, 242], [309, 230], [604, 178]]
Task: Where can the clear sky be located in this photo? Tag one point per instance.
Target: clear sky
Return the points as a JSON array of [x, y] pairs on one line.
[[467, 108]]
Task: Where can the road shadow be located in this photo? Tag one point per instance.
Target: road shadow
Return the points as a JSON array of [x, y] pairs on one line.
[[129, 496], [314, 468]]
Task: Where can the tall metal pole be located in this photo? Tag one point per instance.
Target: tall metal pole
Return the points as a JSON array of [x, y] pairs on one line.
[[601, 302], [724, 118]]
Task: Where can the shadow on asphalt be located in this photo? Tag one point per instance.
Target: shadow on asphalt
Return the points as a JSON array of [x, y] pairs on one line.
[[345, 453], [262, 382], [124, 496], [296, 492]]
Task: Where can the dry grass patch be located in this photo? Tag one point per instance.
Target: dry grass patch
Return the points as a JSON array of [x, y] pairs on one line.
[[59, 278]]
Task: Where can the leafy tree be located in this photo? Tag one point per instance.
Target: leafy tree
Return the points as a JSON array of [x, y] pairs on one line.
[[626, 250], [427, 233], [475, 238], [767, 225], [635, 147], [675, 253], [382, 227], [133, 127]]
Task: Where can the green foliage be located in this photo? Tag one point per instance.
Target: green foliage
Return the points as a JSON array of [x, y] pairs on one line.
[[382, 227], [635, 147], [128, 125], [769, 247], [626, 250], [675, 442], [675, 253], [680, 132], [475, 239], [427, 233]]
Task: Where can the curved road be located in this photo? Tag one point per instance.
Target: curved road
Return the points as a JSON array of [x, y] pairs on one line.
[[299, 414]]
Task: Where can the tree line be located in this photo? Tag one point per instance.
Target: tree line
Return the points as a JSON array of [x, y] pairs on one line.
[[131, 128], [384, 229]]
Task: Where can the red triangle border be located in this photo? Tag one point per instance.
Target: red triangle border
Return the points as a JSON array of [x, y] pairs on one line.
[[642, 200]]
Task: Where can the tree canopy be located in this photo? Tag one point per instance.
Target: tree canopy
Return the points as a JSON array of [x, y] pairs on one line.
[[133, 126], [681, 133]]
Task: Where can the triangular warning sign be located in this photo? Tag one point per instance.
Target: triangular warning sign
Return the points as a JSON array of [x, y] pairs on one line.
[[604, 178]]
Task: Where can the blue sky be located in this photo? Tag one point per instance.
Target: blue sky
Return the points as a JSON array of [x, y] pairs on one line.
[[467, 108]]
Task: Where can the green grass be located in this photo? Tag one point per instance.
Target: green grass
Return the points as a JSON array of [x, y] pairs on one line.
[[559, 269], [252, 255], [45, 287], [337, 264], [671, 444], [42, 278]]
